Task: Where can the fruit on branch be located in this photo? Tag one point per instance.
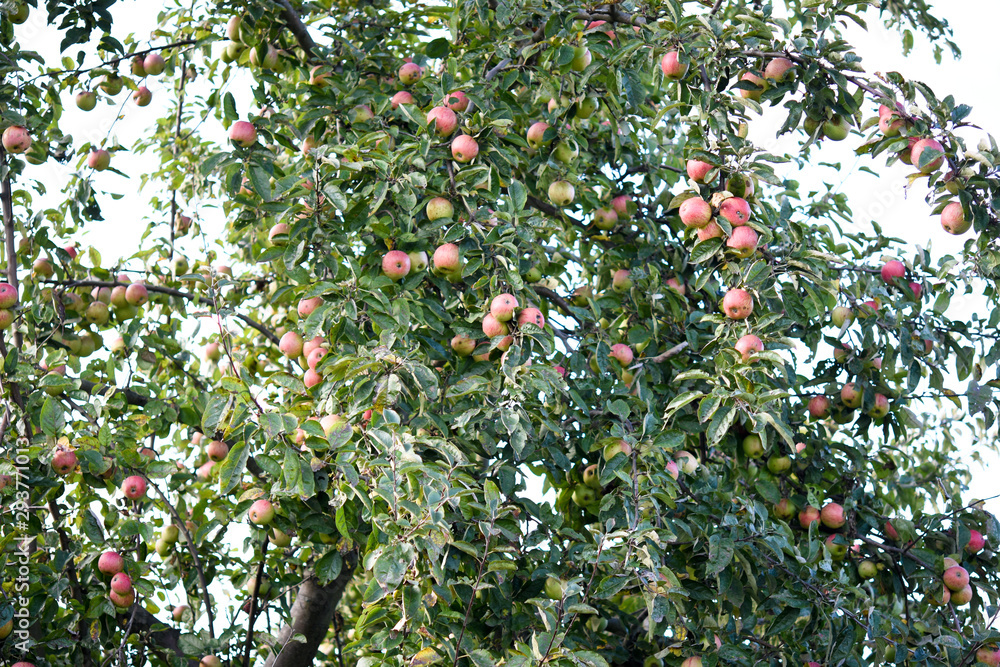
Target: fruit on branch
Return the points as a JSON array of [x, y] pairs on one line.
[[462, 345], [623, 353], [736, 210], [456, 101], [988, 655], [16, 139], [710, 231], [121, 583], [777, 69], [153, 64], [261, 512], [928, 164], [8, 295], [586, 107], [755, 93], [687, 461], [962, 596], [243, 134], [566, 151], [779, 465], [278, 234], [851, 394], [99, 159], [889, 121], [438, 208], [447, 260], [136, 294], [743, 241], [672, 67], [695, 212], [737, 304], [621, 281], [122, 602], [880, 408], [86, 100], [837, 128], [581, 59], [134, 487], [752, 446], [210, 661], [620, 205], [697, 170], [213, 352], [402, 97], [837, 551], [956, 578], [110, 562], [307, 306], [493, 327], [808, 515], [749, 344], [976, 542], [832, 516], [142, 96], [63, 461], [410, 73], [464, 148], [867, 569], [892, 269], [841, 315], [676, 285], [531, 316], [444, 121], [503, 306], [561, 193], [536, 135], [264, 56], [418, 261], [784, 509], [217, 450], [693, 661], [953, 219], [97, 313], [605, 218], [396, 265]]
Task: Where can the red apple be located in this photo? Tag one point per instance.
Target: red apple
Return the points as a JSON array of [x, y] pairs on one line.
[[110, 562], [698, 170], [290, 345], [136, 294], [142, 96], [736, 210], [457, 101], [16, 139], [8, 295], [671, 65], [217, 450], [532, 316], [743, 241], [396, 265], [832, 516], [261, 512], [880, 408], [402, 97], [134, 487], [623, 353], [121, 583], [749, 344], [443, 119], [953, 219], [710, 231], [695, 212], [315, 356], [492, 327], [153, 64], [956, 578], [503, 306], [307, 306], [807, 516], [777, 68], [122, 601], [446, 259], [737, 304], [99, 159], [976, 542], [893, 269], [64, 461], [536, 135], [620, 205], [243, 134], [464, 148], [410, 73], [917, 150]]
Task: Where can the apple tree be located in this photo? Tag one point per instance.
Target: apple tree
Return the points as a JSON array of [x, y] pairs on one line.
[[490, 332]]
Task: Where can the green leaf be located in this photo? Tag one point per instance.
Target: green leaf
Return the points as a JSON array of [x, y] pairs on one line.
[[518, 194], [229, 107], [329, 567], [232, 467], [721, 551], [215, 410], [52, 418]]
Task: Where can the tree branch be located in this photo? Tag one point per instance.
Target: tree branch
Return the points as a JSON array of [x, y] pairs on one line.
[[555, 299], [294, 23], [672, 352]]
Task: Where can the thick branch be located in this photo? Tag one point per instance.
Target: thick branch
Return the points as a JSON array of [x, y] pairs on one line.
[[672, 352], [555, 299], [312, 615], [294, 23]]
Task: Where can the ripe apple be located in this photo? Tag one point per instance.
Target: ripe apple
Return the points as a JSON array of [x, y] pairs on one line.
[[620, 205], [956, 578], [623, 353], [64, 461], [456, 101], [261, 512], [264, 56], [784, 509], [752, 446], [86, 100], [749, 344], [8, 295], [439, 207], [710, 231], [110, 562], [988, 655], [890, 124], [695, 212], [851, 394], [737, 304], [142, 96], [462, 345], [16, 139], [531, 316], [153, 64], [736, 210], [881, 407], [672, 67], [676, 285], [410, 73], [493, 327], [396, 265], [581, 59], [743, 241], [740, 185], [837, 551], [204, 471], [134, 487], [841, 315], [243, 134], [698, 170], [307, 306], [217, 450], [976, 542], [360, 113], [931, 164], [777, 69], [605, 218], [121, 583], [687, 461], [592, 477], [807, 516], [621, 281], [536, 135], [832, 516], [753, 94], [561, 193], [837, 128], [503, 306], [121, 601], [210, 661], [962, 596], [97, 313], [693, 661], [447, 261], [136, 294], [566, 151], [402, 97], [213, 352], [464, 148], [953, 219], [893, 269], [278, 234], [99, 159], [444, 121]]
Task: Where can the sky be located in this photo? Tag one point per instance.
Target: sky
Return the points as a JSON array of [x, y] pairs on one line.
[[902, 213]]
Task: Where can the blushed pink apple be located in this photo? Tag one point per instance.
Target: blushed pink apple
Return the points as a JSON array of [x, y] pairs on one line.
[[261, 512], [620, 205], [99, 159], [621, 281], [503, 306], [737, 304], [396, 265], [446, 259], [290, 345], [671, 66], [807, 516], [121, 583], [756, 80], [493, 327], [743, 241], [307, 306], [8, 295], [736, 210], [312, 344], [749, 344], [710, 231], [892, 269], [698, 170], [777, 69], [464, 148], [819, 407], [110, 562], [216, 450], [410, 73], [153, 64], [402, 97], [243, 134], [531, 316], [16, 139], [917, 150], [852, 395], [314, 357], [142, 96], [64, 461], [136, 294], [463, 345], [623, 353], [677, 285], [832, 516], [953, 219], [134, 487], [695, 212], [444, 121], [536, 135], [880, 408], [956, 578], [976, 542], [456, 101]]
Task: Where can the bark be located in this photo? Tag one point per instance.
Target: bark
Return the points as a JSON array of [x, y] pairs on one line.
[[312, 615]]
